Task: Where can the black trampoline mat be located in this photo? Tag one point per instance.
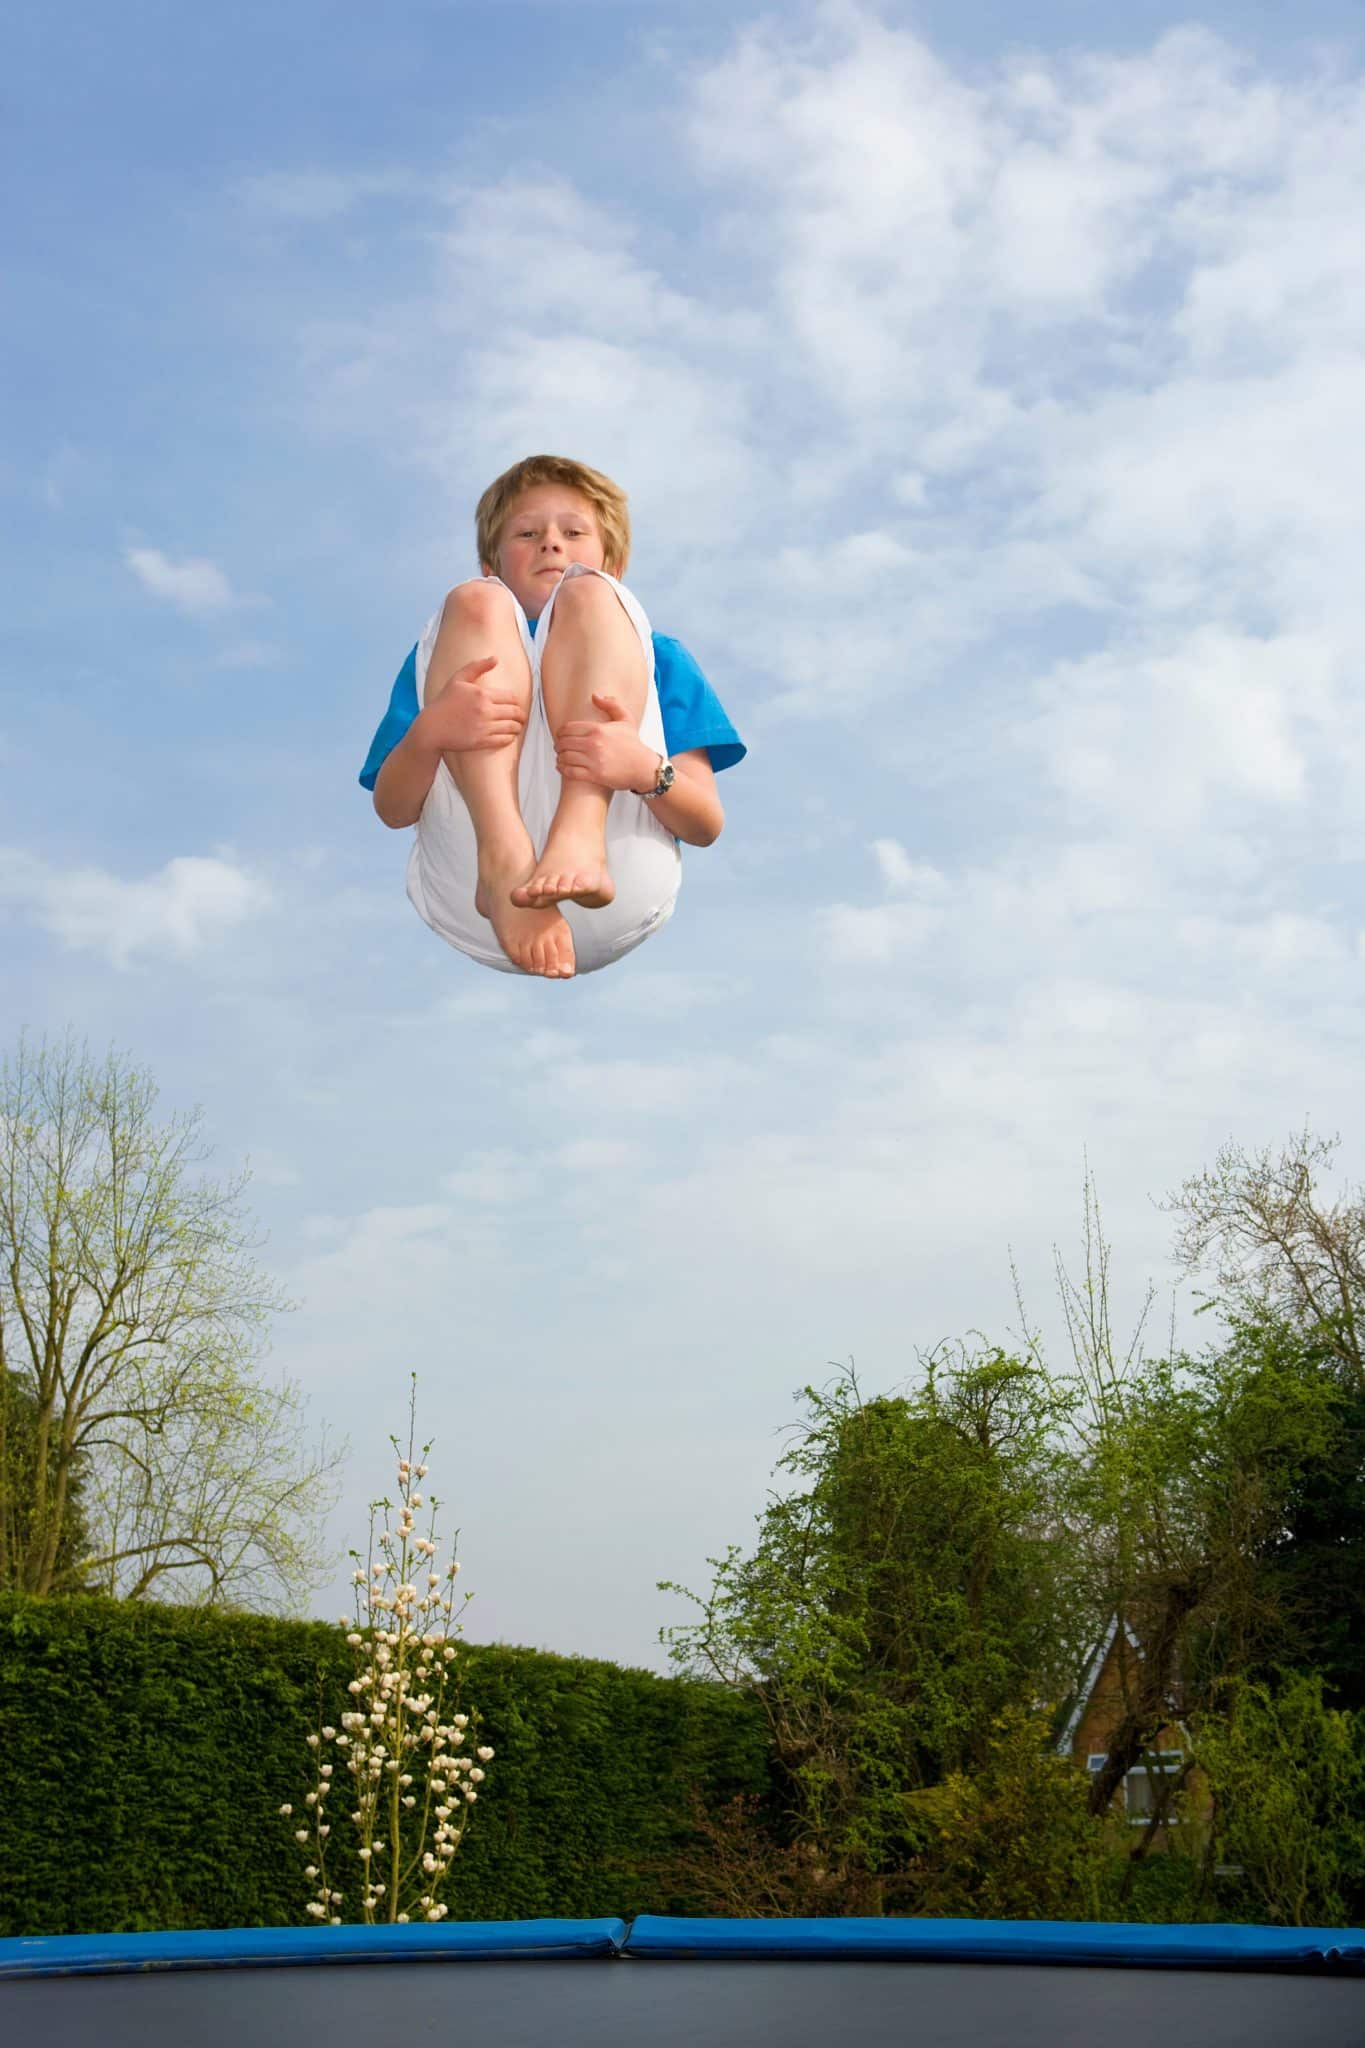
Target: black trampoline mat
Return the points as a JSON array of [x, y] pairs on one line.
[[624, 2004]]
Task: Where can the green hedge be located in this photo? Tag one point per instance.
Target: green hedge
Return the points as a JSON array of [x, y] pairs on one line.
[[146, 1751]]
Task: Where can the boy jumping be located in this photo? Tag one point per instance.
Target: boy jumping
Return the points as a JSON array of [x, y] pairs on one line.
[[561, 750]]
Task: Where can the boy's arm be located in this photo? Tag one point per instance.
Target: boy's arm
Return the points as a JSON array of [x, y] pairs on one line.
[[400, 788], [611, 753], [692, 809], [465, 715]]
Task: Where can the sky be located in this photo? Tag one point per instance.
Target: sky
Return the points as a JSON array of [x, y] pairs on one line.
[[988, 382]]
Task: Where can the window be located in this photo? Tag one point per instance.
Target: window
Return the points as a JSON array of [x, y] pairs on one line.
[[1141, 1787]]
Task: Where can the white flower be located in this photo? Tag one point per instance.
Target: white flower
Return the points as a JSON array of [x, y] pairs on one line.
[[355, 1686], [428, 1863], [324, 1829], [310, 1870], [355, 1639], [435, 1913], [410, 1800], [318, 1912], [485, 1755], [476, 1776], [300, 1834], [470, 1794], [288, 1812], [460, 1721], [364, 1854], [313, 1741], [421, 1471], [402, 1920], [335, 1920], [329, 1734]]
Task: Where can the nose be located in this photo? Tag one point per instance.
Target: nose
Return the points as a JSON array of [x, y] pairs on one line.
[[551, 537]]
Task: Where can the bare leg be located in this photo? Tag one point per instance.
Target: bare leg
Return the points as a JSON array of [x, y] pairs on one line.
[[591, 645], [479, 619]]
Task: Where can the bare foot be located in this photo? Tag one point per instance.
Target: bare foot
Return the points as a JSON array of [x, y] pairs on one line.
[[567, 874], [535, 939]]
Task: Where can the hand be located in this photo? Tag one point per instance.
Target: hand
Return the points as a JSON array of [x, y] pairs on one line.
[[468, 715], [611, 755]]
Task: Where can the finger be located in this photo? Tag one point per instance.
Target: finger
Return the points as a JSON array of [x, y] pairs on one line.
[[612, 706], [480, 667]]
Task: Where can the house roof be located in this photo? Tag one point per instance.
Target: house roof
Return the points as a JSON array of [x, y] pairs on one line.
[[1082, 1695]]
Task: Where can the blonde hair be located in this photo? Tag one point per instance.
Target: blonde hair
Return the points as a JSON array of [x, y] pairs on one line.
[[607, 499]]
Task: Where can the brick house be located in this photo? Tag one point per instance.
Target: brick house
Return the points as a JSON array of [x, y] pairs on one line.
[[1095, 1711]]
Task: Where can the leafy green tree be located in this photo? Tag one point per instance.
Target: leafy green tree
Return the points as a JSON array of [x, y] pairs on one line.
[[1289, 1257], [1287, 1775], [1014, 1838], [1185, 1496], [1183, 1472], [903, 1593], [132, 1323], [1314, 1562]]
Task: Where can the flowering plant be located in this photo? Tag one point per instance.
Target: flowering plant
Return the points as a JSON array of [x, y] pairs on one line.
[[414, 1763]]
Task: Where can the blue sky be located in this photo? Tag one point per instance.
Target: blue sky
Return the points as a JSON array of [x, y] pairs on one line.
[[988, 383]]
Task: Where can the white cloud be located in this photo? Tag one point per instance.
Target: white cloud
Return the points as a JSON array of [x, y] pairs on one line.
[[194, 585], [187, 905], [903, 876]]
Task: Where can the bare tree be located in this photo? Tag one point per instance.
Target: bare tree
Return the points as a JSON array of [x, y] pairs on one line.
[[1275, 1245], [132, 1324]]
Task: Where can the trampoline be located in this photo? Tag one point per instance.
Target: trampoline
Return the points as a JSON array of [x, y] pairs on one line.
[[727, 1983]]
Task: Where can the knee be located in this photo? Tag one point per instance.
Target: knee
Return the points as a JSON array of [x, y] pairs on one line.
[[583, 597], [479, 602]]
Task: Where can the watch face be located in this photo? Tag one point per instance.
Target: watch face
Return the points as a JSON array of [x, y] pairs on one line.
[[667, 775]]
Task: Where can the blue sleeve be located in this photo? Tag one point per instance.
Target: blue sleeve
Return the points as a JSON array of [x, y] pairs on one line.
[[395, 722], [692, 712]]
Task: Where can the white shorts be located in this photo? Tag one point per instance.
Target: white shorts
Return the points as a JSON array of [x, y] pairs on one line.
[[443, 867]]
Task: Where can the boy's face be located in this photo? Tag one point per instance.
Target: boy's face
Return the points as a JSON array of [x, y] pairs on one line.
[[546, 528]]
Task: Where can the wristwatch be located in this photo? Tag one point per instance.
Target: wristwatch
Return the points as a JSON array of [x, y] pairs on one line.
[[668, 775]]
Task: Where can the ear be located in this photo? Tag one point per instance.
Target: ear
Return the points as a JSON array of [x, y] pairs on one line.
[[487, 569]]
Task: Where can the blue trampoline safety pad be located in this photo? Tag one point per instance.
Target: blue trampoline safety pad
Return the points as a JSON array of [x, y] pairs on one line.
[[1006, 1941], [66, 1955]]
